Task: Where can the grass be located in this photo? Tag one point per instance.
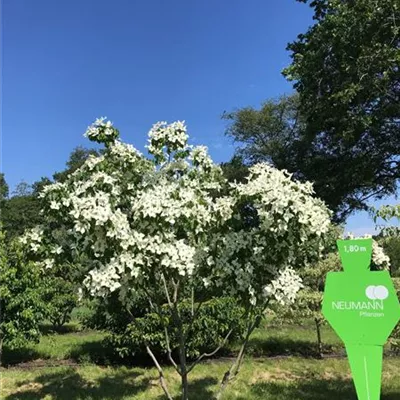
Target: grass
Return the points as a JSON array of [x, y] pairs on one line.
[[276, 379], [270, 340], [87, 346], [73, 345], [298, 376]]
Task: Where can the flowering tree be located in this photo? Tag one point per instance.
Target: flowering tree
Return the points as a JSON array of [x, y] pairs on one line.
[[170, 224]]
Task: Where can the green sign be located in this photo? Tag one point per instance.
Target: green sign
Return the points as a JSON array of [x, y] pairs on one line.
[[363, 308]]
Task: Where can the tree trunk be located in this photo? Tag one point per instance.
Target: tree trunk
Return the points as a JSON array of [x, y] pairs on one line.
[[235, 367], [319, 338], [1, 348], [185, 387], [183, 363]]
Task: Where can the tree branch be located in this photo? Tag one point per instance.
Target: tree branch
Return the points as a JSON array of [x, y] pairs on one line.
[[170, 351], [163, 383], [210, 354], [166, 290]]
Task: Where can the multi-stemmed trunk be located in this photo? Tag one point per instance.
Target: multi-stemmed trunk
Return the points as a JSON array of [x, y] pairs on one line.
[[252, 316]]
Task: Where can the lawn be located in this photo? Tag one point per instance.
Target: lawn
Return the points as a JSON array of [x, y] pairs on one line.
[[280, 366], [259, 379], [87, 347]]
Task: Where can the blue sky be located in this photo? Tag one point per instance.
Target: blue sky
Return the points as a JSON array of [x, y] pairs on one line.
[[67, 62]]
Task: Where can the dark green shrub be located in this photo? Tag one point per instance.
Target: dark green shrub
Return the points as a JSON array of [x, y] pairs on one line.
[[110, 314], [21, 296], [61, 298], [215, 319]]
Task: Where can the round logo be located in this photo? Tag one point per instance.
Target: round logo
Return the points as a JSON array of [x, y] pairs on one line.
[[377, 292]]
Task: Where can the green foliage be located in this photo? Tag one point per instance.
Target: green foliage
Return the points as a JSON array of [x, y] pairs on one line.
[[345, 69], [235, 169], [267, 134], [21, 296], [391, 246], [395, 337], [341, 129], [110, 314], [61, 298], [76, 159], [20, 213], [3, 188], [215, 319]]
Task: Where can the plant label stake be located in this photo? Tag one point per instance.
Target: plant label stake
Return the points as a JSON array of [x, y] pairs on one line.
[[363, 308]]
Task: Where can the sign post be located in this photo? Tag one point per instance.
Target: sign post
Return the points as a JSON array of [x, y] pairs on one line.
[[363, 308]]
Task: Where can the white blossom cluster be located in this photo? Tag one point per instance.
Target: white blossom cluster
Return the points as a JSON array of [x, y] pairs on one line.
[[33, 238], [101, 131], [200, 157], [135, 218], [162, 135], [285, 287], [281, 199], [287, 221], [379, 257]]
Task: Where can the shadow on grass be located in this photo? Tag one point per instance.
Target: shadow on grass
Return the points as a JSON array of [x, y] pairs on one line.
[[70, 327], [18, 356], [310, 390], [69, 385], [103, 353], [97, 352], [278, 346], [199, 389]]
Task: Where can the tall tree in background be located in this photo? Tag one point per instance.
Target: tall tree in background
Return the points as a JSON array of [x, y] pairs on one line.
[[3, 192], [265, 135], [76, 159], [343, 130], [346, 71], [20, 211]]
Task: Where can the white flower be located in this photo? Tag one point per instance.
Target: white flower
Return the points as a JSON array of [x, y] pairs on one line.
[[285, 287], [48, 263], [54, 205]]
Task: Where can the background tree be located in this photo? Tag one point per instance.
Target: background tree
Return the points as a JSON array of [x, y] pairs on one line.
[[391, 246], [3, 194], [21, 212], [346, 71], [23, 189], [267, 134], [344, 118], [21, 296], [235, 169], [76, 159], [60, 294]]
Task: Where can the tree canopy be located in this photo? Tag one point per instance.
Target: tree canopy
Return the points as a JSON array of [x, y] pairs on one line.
[[342, 128]]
